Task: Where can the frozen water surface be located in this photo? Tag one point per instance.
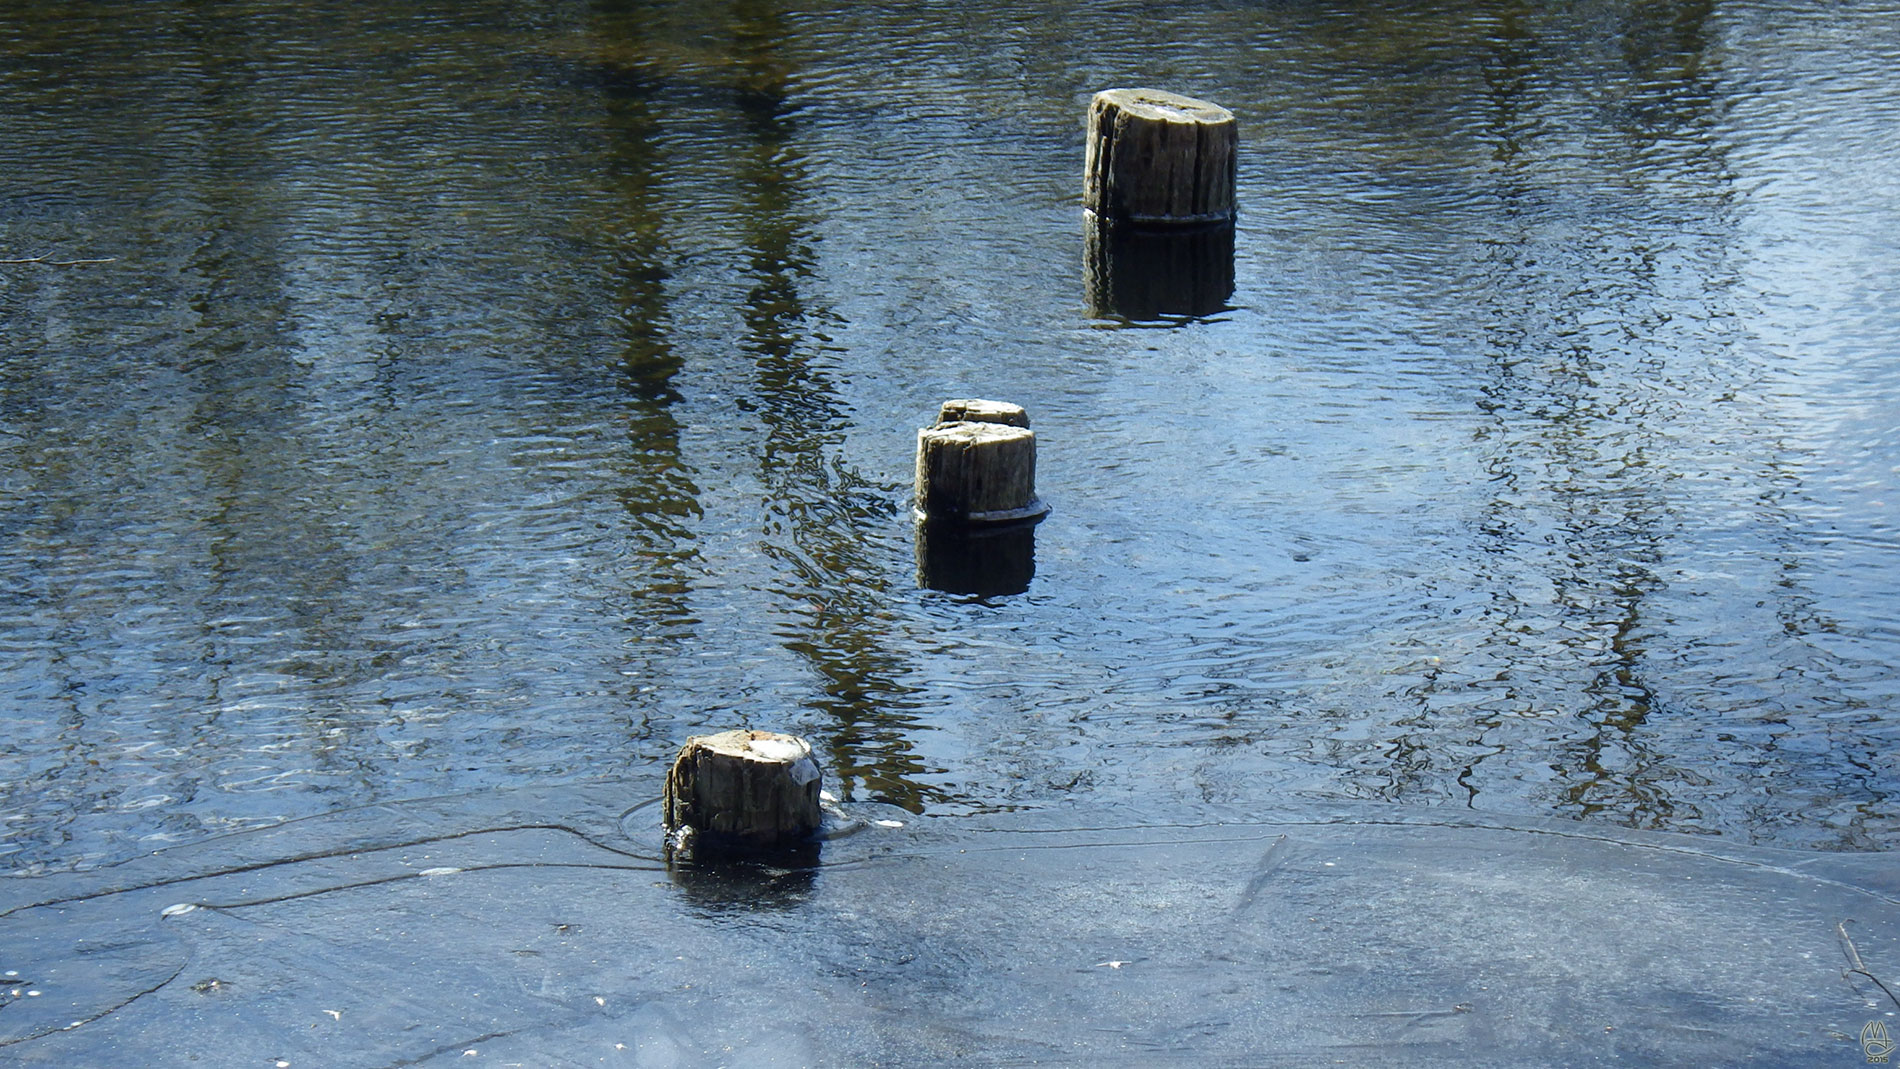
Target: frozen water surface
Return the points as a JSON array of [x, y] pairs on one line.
[[528, 928]]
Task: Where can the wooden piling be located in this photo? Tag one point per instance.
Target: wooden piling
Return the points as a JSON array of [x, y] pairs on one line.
[[746, 789], [1157, 158], [977, 465]]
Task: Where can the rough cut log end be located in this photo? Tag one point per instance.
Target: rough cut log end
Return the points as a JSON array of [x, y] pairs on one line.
[[1160, 159], [753, 789], [971, 410]]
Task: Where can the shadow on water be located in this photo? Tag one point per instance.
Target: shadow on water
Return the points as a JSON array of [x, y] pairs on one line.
[[743, 885]]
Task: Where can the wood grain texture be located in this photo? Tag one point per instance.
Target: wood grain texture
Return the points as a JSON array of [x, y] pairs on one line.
[[748, 788], [1160, 159], [976, 473]]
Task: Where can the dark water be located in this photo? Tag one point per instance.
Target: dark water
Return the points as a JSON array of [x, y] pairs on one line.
[[485, 395]]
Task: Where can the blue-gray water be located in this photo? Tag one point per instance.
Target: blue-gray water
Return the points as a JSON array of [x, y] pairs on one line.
[[492, 394]]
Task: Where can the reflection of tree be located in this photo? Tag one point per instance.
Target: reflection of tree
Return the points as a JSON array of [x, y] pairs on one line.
[[1575, 291], [282, 583], [818, 511], [1670, 96], [655, 485], [215, 481]]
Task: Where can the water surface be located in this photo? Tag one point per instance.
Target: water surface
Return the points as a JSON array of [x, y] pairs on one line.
[[490, 395]]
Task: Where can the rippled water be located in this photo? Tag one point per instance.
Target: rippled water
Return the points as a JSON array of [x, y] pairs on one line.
[[487, 394]]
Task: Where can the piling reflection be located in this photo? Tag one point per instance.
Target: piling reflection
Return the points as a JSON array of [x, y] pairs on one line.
[[717, 884], [1141, 273], [984, 561]]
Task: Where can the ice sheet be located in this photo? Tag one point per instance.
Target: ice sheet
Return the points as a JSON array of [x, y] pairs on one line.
[[543, 928]]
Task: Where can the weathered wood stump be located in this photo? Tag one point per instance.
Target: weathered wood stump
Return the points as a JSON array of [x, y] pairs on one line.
[[979, 468], [747, 789], [1157, 158], [1140, 273]]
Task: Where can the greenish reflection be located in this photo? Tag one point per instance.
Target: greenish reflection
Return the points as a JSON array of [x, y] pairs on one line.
[[278, 568], [655, 482], [818, 511]]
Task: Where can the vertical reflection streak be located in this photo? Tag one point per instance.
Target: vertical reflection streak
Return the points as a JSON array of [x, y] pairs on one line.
[[655, 484], [1580, 393], [818, 512]]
